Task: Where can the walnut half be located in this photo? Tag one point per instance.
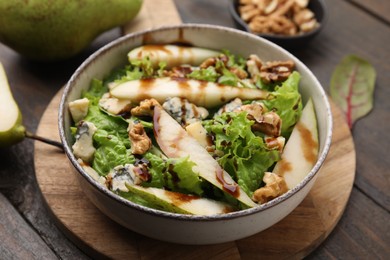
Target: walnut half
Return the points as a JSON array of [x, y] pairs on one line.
[[145, 108], [280, 17], [140, 142], [276, 71], [275, 186]]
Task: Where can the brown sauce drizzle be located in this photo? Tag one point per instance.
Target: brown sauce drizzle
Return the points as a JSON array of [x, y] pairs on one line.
[[231, 188], [145, 86], [153, 48], [202, 93], [183, 82], [181, 41], [210, 139], [147, 38], [185, 89], [175, 178], [284, 166], [309, 145], [180, 198]]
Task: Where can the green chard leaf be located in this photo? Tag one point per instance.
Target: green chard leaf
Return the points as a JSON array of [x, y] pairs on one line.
[[352, 87]]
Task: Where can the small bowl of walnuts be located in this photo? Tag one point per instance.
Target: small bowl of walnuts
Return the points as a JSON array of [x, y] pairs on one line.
[[289, 23]]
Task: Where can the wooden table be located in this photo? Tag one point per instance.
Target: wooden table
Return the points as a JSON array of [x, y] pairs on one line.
[[359, 27]]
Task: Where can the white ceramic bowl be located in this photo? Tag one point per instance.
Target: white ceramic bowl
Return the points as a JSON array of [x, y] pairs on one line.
[[179, 228]]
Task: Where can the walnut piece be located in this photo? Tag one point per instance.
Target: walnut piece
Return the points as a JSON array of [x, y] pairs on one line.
[[276, 71], [255, 111], [140, 142], [145, 108], [269, 123], [275, 186], [276, 143], [254, 65], [266, 122], [240, 73], [281, 17], [178, 72]]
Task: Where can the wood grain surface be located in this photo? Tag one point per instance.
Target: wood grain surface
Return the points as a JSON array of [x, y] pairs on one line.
[[22, 242], [313, 220], [357, 27], [96, 234], [153, 14], [295, 236]]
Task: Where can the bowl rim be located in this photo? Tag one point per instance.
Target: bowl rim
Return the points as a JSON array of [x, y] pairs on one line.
[[244, 25], [187, 217]]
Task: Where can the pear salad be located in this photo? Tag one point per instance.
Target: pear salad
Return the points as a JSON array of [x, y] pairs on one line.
[[195, 131]]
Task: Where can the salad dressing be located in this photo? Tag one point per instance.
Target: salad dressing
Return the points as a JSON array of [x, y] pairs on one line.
[[284, 166], [175, 178], [309, 144], [180, 198], [231, 188], [146, 85], [181, 95], [153, 49]]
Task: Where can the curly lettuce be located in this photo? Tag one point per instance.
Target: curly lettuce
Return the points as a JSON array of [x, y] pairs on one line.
[[287, 103], [173, 174], [111, 139], [242, 154]]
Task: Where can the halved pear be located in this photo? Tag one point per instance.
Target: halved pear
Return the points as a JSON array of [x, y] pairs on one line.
[[301, 150], [201, 93], [178, 202], [11, 128], [175, 142]]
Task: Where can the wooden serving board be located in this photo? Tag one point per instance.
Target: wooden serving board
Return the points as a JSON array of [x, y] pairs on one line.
[[97, 235], [295, 236]]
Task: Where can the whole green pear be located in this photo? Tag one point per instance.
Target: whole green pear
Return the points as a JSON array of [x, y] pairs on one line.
[[11, 127], [50, 30]]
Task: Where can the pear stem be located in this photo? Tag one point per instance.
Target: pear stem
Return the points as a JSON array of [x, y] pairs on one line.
[[44, 140]]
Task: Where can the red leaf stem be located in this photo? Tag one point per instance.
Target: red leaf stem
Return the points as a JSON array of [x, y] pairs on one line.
[[351, 82]]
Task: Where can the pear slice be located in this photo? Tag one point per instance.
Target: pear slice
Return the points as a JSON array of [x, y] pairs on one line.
[[200, 93], [11, 128], [172, 55], [175, 142], [301, 150], [178, 202]]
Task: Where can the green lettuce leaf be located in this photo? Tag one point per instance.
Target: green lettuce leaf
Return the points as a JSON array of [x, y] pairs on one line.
[[111, 139], [139, 69], [189, 181], [173, 174], [95, 92], [207, 74], [222, 73], [241, 153], [111, 151], [287, 103]]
